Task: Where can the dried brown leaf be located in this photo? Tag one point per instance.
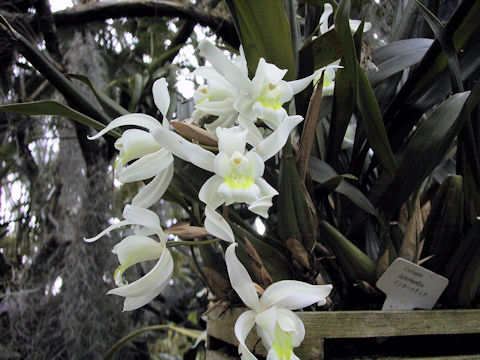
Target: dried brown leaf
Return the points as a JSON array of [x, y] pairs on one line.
[[193, 132], [298, 251]]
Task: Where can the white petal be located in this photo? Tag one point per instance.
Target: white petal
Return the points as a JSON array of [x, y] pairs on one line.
[[108, 229], [161, 97], [275, 141], [184, 149], [222, 121], [300, 84], [290, 322], [160, 272], [209, 192], [240, 279], [217, 108], [216, 225], [134, 302], [144, 217], [135, 143], [137, 248], [327, 11], [264, 202], [146, 167], [354, 24], [212, 76], [232, 139], [227, 69], [243, 326], [270, 116], [141, 120], [254, 136], [243, 104], [267, 72], [293, 295], [154, 190], [267, 320]]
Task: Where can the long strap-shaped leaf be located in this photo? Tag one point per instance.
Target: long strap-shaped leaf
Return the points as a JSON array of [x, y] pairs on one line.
[[50, 107], [447, 46], [264, 30], [364, 95]]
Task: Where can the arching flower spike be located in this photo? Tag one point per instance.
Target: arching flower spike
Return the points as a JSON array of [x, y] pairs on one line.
[[280, 329]]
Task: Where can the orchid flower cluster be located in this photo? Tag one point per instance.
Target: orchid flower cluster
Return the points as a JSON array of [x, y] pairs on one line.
[[147, 152]]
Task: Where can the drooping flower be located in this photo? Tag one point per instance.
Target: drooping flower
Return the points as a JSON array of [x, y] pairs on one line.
[[278, 326], [150, 159], [328, 11], [238, 173], [138, 248], [262, 97]]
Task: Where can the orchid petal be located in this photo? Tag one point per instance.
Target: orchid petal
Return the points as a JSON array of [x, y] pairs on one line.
[[146, 167], [240, 279], [275, 141], [135, 143], [132, 250], [267, 320], [141, 120], [210, 74], [209, 192], [216, 108], [222, 121], [293, 295], [243, 326], [135, 302], [354, 24], [107, 230], [300, 84], [327, 11], [161, 97], [254, 137], [160, 272], [184, 149], [290, 322], [232, 139], [270, 116], [264, 202], [144, 217], [267, 72], [221, 63], [216, 225], [154, 190]]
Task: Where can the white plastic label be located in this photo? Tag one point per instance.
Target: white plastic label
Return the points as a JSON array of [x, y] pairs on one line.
[[409, 286]]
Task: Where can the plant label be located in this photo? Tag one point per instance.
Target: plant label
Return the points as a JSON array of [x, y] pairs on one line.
[[409, 286]]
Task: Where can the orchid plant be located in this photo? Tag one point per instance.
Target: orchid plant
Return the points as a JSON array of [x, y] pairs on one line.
[[330, 179]]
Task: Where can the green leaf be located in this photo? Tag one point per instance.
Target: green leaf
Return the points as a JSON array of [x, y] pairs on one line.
[[324, 50], [321, 172], [363, 91], [50, 107], [342, 110], [444, 226], [111, 107], [397, 56], [447, 45], [353, 261], [264, 30], [424, 151]]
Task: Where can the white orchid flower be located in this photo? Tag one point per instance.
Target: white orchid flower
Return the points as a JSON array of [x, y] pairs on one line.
[[262, 97], [218, 95], [280, 329], [328, 10], [150, 159], [138, 248], [238, 173]]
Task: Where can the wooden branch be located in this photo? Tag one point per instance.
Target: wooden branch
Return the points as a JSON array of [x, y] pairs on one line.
[[80, 15]]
